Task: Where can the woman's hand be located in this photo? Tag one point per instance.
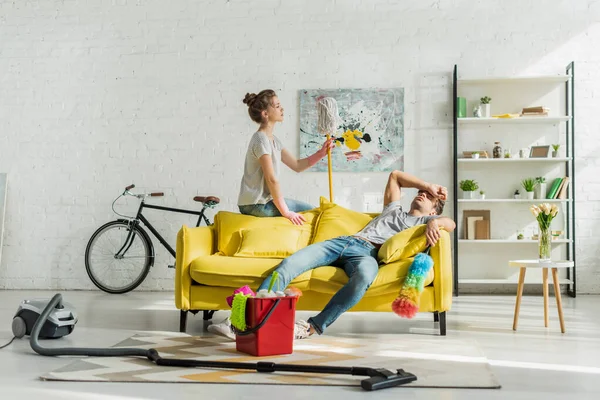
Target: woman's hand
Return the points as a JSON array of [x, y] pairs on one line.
[[297, 219], [328, 145]]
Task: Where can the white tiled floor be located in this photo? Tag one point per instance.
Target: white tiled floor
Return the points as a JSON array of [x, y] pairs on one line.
[[535, 362]]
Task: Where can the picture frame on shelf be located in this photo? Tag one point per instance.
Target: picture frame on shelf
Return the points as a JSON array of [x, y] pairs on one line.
[[539, 152], [476, 224]]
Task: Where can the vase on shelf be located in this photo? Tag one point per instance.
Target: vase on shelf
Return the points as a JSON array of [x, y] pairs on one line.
[[497, 151], [545, 244], [468, 194], [486, 110], [529, 195], [540, 191]]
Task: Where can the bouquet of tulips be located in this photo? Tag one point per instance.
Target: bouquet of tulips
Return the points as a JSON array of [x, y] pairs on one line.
[[544, 213]]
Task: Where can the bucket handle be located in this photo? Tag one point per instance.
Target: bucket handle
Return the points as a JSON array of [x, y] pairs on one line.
[[257, 327]]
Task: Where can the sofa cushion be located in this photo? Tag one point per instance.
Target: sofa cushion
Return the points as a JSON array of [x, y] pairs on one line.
[[235, 272], [229, 226], [403, 245], [336, 220], [280, 242], [389, 279]]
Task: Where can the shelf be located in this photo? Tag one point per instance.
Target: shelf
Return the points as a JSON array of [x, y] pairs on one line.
[[511, 241], [519, 120], [518, 79], [513, 160], [512, 200], [509, 281]]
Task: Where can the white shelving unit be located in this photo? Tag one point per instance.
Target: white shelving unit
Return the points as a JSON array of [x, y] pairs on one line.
[[485, 262]]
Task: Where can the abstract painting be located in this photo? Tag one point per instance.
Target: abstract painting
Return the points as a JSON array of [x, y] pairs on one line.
[[370, 137]]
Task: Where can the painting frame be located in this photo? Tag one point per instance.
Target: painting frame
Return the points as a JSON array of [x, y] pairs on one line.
[[370, 136]]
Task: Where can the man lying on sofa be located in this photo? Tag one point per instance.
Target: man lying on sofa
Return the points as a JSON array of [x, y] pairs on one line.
[[357, 254]]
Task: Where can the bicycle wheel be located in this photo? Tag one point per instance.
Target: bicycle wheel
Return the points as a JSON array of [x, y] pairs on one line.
[[118, 257]]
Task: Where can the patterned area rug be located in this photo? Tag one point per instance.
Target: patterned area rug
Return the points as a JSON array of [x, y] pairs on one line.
[[436, 361]]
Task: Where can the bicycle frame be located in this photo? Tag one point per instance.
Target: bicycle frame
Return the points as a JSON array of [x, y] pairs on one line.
[[140, 217]]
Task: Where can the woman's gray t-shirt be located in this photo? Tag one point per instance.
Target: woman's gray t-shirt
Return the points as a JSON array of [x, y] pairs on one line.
[[391, 221], [254, 189]]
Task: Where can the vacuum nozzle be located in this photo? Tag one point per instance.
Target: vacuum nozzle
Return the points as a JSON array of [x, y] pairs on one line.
[[384, 378]]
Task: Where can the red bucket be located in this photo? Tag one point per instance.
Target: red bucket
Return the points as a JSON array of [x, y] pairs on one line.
[[270, 328]]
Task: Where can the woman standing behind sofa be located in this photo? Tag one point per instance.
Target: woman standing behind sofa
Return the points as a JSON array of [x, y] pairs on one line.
[[260, 194]]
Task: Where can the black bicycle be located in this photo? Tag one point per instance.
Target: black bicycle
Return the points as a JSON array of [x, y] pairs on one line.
[[120, 253]]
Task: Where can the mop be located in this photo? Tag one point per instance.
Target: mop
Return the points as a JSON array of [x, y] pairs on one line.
[[327, 123], [379, 378]]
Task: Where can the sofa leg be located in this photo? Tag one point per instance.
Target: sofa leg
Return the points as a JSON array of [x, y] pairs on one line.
[[442, 317], [182, 320], [207, 315], [436, 316]]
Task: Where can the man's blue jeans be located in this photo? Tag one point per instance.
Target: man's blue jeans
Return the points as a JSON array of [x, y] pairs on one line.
[[356, 257]]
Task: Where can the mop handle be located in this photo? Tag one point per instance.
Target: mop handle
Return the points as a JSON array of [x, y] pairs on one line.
[[329, 172]]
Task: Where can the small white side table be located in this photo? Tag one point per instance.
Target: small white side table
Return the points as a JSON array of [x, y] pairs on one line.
[[544, 266]]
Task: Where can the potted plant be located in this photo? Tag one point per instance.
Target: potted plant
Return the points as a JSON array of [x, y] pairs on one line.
[[517, 195], [529, 185], [540, 187], [482, 194], [485, 107], [468, 186], [555, 148], [475, 155], [520, 236]]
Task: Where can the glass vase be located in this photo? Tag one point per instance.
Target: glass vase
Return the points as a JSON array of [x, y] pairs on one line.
[[545, 244]]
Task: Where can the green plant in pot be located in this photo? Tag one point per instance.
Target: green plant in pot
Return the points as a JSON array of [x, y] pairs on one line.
[[482, 194], [529, 185], [468, 186], [485, 107], [555, 148]]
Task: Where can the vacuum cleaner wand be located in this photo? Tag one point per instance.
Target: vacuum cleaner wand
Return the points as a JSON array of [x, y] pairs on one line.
[[379, 378]]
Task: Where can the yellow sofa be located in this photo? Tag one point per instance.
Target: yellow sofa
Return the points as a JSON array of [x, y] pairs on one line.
[[240, 250]]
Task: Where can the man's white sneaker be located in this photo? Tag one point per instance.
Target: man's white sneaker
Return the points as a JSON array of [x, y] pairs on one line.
[[301, 330], [222, 328]]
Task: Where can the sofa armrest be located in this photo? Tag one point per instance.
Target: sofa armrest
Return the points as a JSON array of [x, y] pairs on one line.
[[191, 244], [442, 271]]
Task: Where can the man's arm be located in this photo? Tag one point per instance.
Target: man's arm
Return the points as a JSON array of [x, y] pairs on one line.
[[399, 179]]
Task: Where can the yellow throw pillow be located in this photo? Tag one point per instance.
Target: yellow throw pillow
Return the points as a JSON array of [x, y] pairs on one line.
[[336, 220], [403, 245], [278, 242], [229, 226]]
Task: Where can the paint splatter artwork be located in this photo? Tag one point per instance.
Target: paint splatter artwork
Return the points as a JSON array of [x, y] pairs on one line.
[[370, 137]]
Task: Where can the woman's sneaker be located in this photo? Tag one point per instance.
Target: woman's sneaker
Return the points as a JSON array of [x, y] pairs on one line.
[[223, 328]]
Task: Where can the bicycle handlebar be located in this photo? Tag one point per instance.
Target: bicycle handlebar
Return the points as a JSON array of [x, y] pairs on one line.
[[155, 194], [130, 187]]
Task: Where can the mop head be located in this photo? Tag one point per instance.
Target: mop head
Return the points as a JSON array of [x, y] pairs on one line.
[[407, 303], [238, 311], [328, 115]]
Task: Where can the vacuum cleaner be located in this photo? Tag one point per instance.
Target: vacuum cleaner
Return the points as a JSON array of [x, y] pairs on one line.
[[58, 319]]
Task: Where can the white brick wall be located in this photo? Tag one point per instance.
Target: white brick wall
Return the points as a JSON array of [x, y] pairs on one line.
[[99, 94]]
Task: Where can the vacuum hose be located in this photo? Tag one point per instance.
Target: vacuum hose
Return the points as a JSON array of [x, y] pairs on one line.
[[74, 351], [379, 378]]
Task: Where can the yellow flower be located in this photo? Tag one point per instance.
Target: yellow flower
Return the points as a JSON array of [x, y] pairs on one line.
[[535, 210]]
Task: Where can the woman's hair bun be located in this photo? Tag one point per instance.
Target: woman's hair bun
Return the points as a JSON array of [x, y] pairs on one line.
[[249, 98]]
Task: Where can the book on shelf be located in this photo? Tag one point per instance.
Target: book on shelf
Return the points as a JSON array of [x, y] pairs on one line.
[[558, 190], [536, 109]]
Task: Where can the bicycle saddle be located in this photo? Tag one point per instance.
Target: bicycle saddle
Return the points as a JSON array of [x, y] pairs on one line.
[[207, 199]]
